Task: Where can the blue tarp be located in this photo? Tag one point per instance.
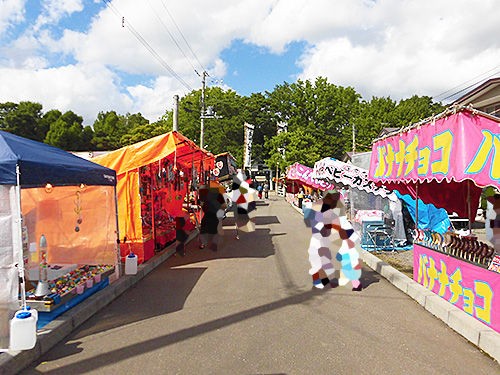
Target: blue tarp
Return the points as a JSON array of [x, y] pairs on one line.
[[429, 217], [40, 164]]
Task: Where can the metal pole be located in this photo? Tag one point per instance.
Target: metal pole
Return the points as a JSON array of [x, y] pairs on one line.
[[118, 249], [202, 116], [175, 126], [19, 235], [468, 207], [353, 140], [416, 206]]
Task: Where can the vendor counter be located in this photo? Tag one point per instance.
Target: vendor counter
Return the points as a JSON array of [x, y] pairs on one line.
[[68, 290]]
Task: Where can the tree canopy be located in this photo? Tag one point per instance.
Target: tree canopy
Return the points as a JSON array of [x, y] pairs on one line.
[[319, 117]]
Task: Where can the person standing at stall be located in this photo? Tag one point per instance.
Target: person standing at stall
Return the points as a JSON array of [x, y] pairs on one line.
[[300, 197], [213, 207]]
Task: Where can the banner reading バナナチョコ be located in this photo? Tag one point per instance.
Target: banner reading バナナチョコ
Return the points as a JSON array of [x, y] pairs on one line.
[[471, 288], [464, 145]]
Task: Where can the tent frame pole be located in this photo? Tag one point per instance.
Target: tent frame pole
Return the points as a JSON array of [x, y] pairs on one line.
[[468, 207], [118, 255], [416, 206], [20, 260]]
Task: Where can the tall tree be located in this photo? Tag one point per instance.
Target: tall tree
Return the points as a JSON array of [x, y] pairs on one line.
[[22, 119], [66, 132], [292, 146]]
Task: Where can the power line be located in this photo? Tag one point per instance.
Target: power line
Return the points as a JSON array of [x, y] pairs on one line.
[[466, 82], [182, 35], [470, 86], [171, 36], [138, 36]]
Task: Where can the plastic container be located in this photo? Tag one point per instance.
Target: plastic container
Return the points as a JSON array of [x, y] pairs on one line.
[[80, 288], [97, 278], [22, 331], [131, 264], [89, 283], [33, 312]]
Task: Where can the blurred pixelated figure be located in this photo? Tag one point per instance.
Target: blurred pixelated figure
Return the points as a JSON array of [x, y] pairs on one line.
[[213, 205], [330, 228], [244, 203]]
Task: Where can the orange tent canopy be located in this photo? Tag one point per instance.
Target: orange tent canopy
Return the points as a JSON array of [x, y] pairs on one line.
[[174, 144], [126, 161]]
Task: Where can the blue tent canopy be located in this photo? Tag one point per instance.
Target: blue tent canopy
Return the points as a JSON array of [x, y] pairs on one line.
[[40, 164]]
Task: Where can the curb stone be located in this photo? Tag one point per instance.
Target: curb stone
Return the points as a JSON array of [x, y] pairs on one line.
[[482, 336], [13, 362]]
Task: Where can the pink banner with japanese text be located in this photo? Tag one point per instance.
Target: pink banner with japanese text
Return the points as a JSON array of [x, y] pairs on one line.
[[473, 289], [463, 145], [303, 174]]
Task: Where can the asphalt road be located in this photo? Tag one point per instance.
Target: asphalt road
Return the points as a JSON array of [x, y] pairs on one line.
[[250, 309]]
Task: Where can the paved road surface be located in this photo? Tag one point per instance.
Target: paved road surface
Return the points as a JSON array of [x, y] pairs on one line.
[[250, 309]]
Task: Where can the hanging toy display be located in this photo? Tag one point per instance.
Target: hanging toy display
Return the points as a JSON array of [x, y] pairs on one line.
[[78, 211]]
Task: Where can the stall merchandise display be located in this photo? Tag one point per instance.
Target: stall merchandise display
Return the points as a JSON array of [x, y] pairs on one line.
[[65, 287], [154, 178], [466, 248]]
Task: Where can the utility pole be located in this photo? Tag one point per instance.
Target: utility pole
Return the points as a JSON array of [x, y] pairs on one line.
[[175, 120], [202, 116], [353, 140]]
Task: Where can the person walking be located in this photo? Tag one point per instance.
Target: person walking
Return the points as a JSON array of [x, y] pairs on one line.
[[266, 191], [259, 190]]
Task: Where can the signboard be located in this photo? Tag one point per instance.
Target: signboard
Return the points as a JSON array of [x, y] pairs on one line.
[[461, 146], [303, 174], [224, 167], [473, 289], [333, 170]]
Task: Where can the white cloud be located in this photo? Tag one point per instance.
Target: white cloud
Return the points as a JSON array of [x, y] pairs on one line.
[[11, 12], [54, 10], [424, 47], [85, 90], [382, 48], [152, 101]]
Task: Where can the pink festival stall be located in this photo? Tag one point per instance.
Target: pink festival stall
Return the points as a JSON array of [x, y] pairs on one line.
[[447, 161], [301, 175]]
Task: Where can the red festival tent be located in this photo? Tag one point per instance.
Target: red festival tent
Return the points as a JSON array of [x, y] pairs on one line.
[[445, 160]]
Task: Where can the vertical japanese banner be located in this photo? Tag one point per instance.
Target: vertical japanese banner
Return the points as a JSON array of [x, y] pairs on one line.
[[473, 289]]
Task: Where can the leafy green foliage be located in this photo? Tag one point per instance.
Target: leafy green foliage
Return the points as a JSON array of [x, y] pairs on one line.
[[320, 118]]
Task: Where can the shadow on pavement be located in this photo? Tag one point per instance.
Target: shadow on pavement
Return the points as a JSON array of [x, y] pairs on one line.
[[130, 351], [166, 289], [160, 292], [259, 220]]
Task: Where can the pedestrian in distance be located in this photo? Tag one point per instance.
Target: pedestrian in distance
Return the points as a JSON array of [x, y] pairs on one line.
[[300, 197], [259, 190], [266, 190]]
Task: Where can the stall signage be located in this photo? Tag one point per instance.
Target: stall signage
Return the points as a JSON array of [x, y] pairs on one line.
[[473, 289], [304, 174], [460, 146], [333, 170], [225, 166]]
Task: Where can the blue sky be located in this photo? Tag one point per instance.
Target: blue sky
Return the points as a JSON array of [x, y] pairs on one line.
[[75, 54], [253, 69]]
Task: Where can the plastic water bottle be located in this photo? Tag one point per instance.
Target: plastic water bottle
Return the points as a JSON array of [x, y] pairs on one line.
[[131, 264], [22, 331]]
